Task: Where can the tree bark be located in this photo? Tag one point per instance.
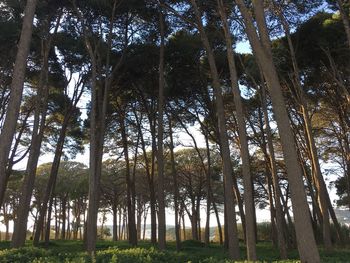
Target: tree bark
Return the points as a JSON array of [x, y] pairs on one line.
[[20, 226], [176, 188], [262, 49], [13, 108], [160, 157], [277, 190], [231, 227], [242, 133], [344, 13]]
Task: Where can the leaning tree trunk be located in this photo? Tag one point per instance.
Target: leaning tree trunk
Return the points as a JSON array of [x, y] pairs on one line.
[[13, 108], [20, 226], [51, 182], [262, 48], [231, 226], [277, 190], [319, 181], [242, 133]]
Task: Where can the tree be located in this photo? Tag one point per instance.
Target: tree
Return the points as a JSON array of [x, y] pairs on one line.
[[262, 49]]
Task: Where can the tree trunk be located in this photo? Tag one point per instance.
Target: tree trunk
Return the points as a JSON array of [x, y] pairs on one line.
[[132, 232], [277, 190], [344, 13], [207, 223], [52, 180], [160, 157], [319, 182], [20, 226], [242, 133], [231, 227], [13, 108], [262, 49], [64, 217], [114, 227], [176, 187]]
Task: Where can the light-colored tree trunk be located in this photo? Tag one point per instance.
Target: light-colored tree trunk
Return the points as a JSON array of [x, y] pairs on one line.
[[12, 113], [277, 190], [233, 246], [242, 133], [262, 49], [319, 182]]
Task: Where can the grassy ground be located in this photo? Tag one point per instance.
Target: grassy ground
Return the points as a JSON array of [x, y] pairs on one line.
[[107, 251]]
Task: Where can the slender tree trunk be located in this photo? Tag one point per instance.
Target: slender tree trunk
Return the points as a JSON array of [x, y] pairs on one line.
[[13, 108], [224, 146], [176, 188], [115, 227], [207, 223], [262, 49], [51, 182], [20, 226], [242, 133], [277, 190], [218, 223], [160, 157], [132, 232], [64, 217], [319, 182]]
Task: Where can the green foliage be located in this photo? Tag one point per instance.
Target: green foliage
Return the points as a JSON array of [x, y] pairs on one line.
[[107, 251]]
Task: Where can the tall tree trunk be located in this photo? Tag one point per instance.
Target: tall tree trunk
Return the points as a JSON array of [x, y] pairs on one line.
[[262, 49], [13, 108], [231, 227], [64, 217], [130, 207], [221, 240], [176, 187], [115, 227], [242, 133], [20, 226], [209, 201], [319, 182], [51, 182], [160, 157], [273, 168]]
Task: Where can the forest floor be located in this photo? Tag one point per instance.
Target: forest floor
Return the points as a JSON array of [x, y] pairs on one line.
[[108, 251]]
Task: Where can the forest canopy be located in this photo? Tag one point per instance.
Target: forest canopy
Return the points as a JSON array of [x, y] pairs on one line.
[[187, 111]]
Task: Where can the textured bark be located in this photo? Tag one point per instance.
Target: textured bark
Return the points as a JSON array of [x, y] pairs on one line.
[[319, 181], [9, 126], [277, 190], [242, 133], [20, 226], [50, 184], [262, 49], [132, 232], [344, 13], [160, 157], [176, 188], [231, 226], [209, 197]]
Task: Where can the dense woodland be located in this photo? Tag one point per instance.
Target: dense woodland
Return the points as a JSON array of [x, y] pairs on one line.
[[126, 80]]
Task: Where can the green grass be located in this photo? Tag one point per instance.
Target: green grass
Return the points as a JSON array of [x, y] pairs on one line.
[[108, 251]]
